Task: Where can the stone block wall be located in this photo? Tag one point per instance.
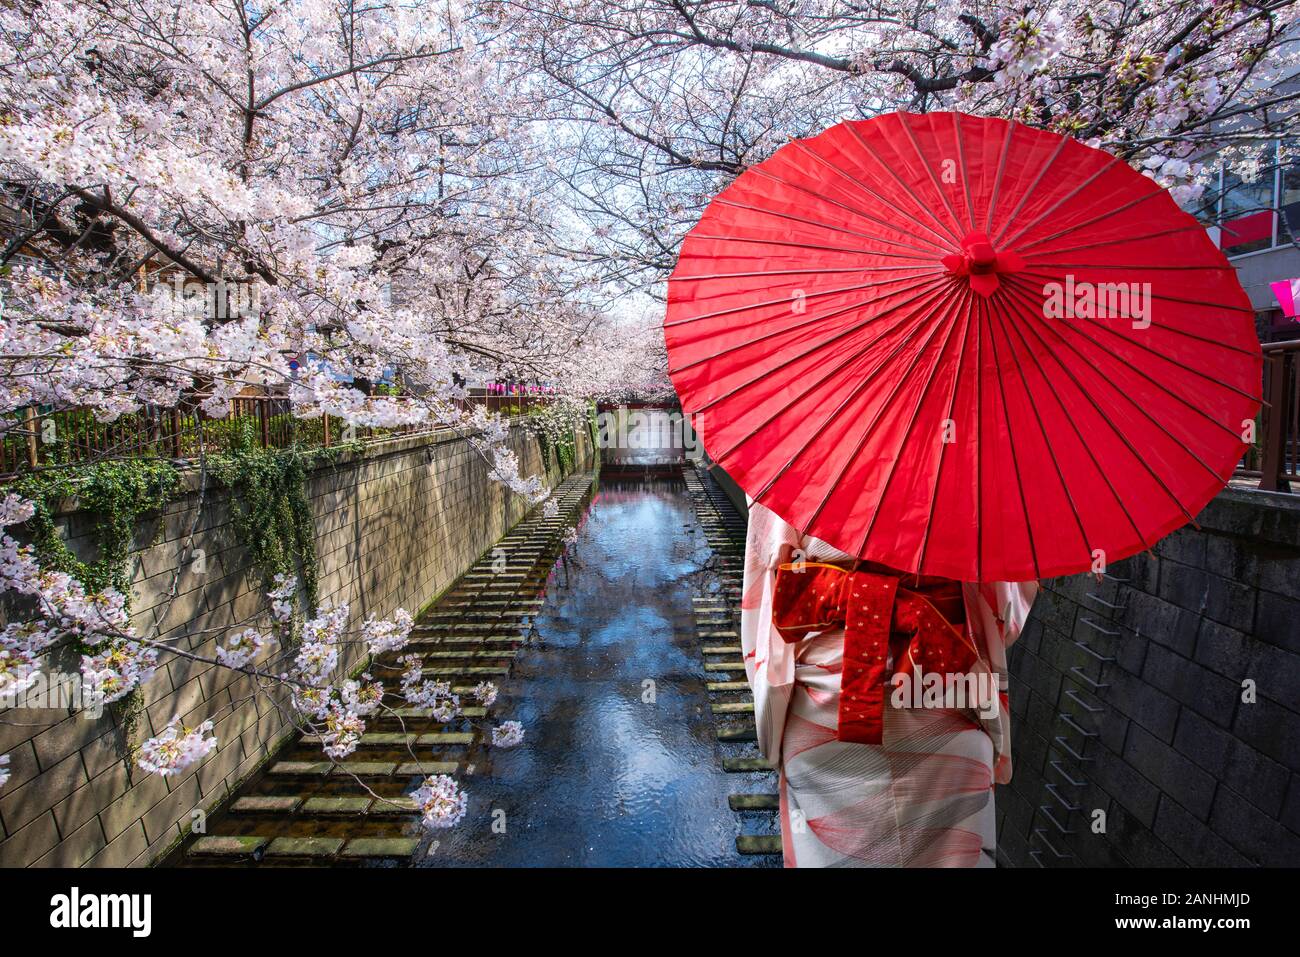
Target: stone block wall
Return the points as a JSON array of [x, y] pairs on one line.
[[395, 524], [1127, 698]]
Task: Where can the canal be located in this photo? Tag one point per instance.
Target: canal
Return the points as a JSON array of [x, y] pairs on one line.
[[622, 766], [610, 631]]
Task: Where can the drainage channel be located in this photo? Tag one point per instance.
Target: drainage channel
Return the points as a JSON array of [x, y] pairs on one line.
[[302, 809], [717, 624], [621, 766]]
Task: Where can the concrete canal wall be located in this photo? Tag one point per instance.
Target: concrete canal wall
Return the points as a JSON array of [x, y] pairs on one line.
[[1132, 743], [395, 525]]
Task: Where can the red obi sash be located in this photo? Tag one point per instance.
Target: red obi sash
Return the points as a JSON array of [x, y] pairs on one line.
[[873, 608]]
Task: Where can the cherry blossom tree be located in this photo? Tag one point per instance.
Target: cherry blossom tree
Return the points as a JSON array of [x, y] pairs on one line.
[[663, 102], [345, 187], [312, 197]]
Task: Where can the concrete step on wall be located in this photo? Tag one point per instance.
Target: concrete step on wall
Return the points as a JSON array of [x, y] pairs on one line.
[[307, 810], [717, 618]]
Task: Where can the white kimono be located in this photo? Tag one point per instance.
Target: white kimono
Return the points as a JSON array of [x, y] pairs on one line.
[[924, 796]]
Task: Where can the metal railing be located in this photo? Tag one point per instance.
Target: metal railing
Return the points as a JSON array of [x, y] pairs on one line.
[[1275, 458], [32, 439]]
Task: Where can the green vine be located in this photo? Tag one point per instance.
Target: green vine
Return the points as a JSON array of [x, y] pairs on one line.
[[117, 495], [544, 444], [565, 451], [270, 509]]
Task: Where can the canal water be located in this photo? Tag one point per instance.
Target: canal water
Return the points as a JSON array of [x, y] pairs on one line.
[[620, 766]]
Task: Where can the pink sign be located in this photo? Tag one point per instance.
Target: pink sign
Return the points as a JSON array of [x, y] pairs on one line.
[[1288, 294]]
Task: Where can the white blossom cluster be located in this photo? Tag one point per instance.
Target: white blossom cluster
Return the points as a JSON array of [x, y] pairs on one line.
[[243, 648], [421, 692], [176, 748], [440, 801], [62, 609], [485, 693], [382, 636], [508, 734], [666, 103]]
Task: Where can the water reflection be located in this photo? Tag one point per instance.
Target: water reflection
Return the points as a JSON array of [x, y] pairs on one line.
[[620, 766], [644, 437]]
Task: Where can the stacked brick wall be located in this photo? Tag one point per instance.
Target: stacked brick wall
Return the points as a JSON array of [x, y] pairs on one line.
[[395, 525], [1127, 698]]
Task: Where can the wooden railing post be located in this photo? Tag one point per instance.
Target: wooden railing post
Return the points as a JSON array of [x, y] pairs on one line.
[[1274, 421], [177, 451], [31, 426]]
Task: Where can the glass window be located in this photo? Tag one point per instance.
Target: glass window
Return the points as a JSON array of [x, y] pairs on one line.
[[1247, 216], [1289, 201]]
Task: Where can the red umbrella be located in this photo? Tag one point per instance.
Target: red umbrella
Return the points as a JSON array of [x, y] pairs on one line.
[[963, 347]]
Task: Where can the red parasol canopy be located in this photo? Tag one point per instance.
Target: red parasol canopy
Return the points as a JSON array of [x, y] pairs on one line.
[[963, 347]]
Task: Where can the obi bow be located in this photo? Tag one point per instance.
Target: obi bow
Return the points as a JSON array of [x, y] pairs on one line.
[[872, 608]]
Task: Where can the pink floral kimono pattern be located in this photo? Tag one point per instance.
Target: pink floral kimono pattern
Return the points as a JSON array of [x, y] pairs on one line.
[[923, 797]]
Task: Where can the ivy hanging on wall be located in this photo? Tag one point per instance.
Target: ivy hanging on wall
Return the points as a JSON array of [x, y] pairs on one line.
[[270, 509], [117, 495], [556, 428], [544, 443], [564, 451]]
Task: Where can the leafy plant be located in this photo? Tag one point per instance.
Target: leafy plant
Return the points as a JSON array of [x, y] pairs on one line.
[[116, 494], [269, 506]]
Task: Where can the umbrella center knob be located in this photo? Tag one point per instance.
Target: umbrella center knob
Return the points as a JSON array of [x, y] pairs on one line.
[[979, 253], [981, 263]]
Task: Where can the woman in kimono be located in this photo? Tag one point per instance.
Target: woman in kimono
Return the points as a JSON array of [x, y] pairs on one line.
[[828, 642]]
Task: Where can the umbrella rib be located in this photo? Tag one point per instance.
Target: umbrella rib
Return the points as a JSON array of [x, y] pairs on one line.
[[965, 175], [979, 451], [934, 180], [1143, 411], [1159, 385], [899, 180], [815, 348], [1141, 266], [1087, 446], [998, 239], [1158, 425], [820, 225], [851, 397], [788, 272], [885, 200], [997, 180], [897, 227], [1156, 295], [1087, 222], [853, 357], [1015, 459], [857, 390], [1024, 196], [1056, 465], [1194, 227], [911, 424], [711, 298], [798, 325], [943, 446], [857, 287], [858, 251], [906, 434], [1025, 293], [917, 271]]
